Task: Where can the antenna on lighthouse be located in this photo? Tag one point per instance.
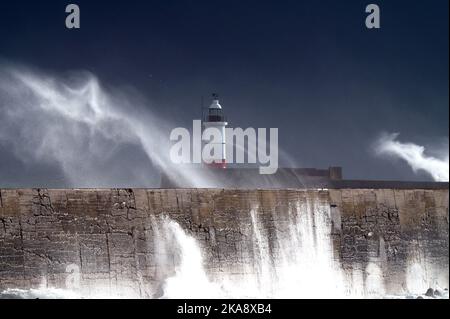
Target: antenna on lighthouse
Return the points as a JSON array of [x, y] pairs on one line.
[[202, 104]]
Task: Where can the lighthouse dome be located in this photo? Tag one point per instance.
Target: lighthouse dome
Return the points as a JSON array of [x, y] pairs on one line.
[[215, 104], [215, 112]]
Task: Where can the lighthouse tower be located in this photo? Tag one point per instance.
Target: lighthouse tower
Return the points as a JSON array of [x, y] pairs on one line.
[[214, 117]]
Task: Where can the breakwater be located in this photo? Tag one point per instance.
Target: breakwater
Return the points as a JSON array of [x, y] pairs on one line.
[[155, 243]]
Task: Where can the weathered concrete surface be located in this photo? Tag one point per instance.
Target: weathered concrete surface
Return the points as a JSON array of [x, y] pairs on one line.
[[395, 229], [107, 234]]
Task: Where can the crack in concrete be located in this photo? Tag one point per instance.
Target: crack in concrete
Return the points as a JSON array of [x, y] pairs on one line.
[[42, 196], [44, 256], [22, 247], [108, 252], [4, 225]]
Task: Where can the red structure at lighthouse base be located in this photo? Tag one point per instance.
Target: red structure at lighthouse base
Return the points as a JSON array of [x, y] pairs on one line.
[[217, 164]]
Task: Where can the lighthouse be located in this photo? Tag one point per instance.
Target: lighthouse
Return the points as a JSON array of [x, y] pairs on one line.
[[214, 117]]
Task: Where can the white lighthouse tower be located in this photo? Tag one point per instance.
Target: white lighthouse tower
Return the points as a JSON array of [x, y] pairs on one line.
[[214, 117]]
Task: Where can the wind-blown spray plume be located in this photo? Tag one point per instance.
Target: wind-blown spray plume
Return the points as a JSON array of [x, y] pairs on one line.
[[415, 156], [81, 128]]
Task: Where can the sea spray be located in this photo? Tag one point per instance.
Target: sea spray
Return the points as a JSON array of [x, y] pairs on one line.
[[77, 126], [305, 268], [416, 156], [262, 258], [188, 278]]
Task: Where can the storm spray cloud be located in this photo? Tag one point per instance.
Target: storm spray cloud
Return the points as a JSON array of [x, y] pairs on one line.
[[414, 155], [80, 128]]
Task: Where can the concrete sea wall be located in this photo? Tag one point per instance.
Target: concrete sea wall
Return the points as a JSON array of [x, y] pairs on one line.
[[104, 239]]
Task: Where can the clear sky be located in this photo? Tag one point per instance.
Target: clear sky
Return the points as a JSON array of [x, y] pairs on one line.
[[310, 68]]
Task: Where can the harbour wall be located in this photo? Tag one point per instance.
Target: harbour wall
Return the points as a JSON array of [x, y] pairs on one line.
[[103, 240]]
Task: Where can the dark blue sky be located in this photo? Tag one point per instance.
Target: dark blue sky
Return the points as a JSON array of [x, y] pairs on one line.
[[310, 68]]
